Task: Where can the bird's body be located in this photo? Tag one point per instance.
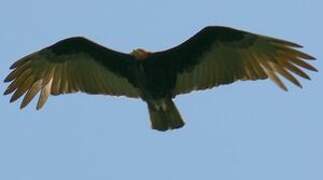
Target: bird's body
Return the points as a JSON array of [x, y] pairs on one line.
[[155, 85], [213, 57]]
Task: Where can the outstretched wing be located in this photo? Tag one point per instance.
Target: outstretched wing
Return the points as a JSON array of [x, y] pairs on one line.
[[71, 65], [221, 55]]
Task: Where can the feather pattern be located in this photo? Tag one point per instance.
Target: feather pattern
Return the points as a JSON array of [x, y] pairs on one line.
[[219, 55], [58, 70], [213, 57]]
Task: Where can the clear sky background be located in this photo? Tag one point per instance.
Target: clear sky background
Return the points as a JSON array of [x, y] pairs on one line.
[[243, 131]]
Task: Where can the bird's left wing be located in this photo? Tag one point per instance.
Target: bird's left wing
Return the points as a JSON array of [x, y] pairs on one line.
[[221, 55], [71, 65]]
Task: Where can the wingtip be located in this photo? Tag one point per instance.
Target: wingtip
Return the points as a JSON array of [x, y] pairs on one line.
[[22, 106], [15, 64], [12, 99], [283, 87], [7, 79], [299, 46], [308, 57], [312, 58], [315, 70], [12, 67], [312, 68], [39, 106], [288, 43], [298, 84], [6, 92], [292, 44]]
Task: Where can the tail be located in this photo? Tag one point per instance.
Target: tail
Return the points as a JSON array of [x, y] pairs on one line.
[[164, 115]]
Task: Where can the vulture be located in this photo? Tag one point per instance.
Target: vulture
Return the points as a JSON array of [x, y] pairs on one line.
[[214, 56]]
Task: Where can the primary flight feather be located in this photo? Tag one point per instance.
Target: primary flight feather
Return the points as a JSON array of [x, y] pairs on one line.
[[213, 57]]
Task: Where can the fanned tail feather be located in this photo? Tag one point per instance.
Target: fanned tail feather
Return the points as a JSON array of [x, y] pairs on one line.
[[164, 115]]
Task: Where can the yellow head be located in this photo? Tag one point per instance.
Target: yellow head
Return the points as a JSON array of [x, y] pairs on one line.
[[140, 54]]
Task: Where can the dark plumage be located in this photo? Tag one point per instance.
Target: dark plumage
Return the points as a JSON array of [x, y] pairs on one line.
[[213, 57]]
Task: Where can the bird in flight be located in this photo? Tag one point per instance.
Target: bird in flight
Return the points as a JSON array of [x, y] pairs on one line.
[[214, 56]]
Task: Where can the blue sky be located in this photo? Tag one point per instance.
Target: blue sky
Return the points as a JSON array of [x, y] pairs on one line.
[[246, 130]]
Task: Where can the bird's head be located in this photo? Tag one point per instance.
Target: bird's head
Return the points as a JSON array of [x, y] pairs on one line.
[[140, 54]]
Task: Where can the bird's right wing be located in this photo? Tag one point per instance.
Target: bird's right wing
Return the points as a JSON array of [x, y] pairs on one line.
[[219, 55], [71, 65]]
